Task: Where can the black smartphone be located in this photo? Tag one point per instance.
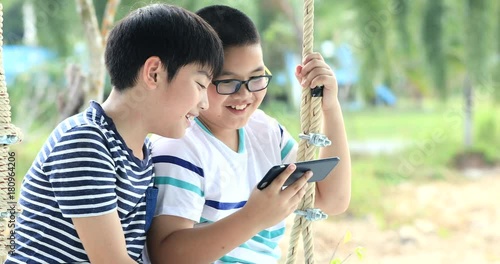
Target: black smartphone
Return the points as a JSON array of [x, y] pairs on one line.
[[320, 168]]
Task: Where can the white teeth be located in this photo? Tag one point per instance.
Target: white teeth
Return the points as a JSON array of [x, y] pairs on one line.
[[239, 107], [190, 117]]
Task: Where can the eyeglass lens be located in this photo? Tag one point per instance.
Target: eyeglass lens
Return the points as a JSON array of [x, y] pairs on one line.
[[253, 85]]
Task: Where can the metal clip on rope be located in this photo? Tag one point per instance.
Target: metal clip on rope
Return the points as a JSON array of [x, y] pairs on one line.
[[317, 91], [312, 214], [10, 139], [316, 139]]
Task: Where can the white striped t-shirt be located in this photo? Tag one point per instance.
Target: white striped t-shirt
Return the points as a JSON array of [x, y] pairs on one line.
[[201, 179], [83, 170]]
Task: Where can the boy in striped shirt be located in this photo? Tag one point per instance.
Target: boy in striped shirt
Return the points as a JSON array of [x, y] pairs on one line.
[[88, 195], [209, 176]]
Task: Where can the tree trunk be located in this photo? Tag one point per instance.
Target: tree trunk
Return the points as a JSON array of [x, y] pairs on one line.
[[108, 19], [70, 101], [94, 39], [29, 23], [496, 76]]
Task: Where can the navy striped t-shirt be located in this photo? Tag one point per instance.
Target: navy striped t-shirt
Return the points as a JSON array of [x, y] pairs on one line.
[[83, 170]]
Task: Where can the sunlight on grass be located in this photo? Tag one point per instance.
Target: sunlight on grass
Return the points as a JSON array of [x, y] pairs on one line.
[[433, 136], [427, 157]]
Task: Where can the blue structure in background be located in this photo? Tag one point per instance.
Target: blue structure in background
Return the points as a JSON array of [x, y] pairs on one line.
[[19, 59], [383, 95], [347, 70], [347, 73]]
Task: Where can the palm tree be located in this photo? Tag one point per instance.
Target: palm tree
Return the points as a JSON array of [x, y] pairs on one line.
[[372, 23], [496, 52], [432, 35]]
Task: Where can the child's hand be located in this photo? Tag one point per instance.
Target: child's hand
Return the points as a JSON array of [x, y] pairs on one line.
[[315, 72], [272, 205]]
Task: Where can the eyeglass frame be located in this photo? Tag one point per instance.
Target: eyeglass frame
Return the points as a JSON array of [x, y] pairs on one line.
[[241, 83]]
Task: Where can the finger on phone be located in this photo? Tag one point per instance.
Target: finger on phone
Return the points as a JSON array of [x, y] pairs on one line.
[[280, 180], [295, 187]]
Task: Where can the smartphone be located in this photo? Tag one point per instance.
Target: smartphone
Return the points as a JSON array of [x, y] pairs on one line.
[[320, 168]]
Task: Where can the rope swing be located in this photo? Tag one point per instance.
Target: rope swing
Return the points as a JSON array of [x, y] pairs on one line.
[[9, 134], [310, 120]]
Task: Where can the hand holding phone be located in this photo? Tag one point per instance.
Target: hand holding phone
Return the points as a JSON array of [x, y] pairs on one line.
[[270, 206], [320, 168]]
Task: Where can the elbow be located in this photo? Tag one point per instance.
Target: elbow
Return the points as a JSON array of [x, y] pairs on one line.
[[334, 206], [162, 257], [342, 206], [166, 256], [170, 250], [161, 252]]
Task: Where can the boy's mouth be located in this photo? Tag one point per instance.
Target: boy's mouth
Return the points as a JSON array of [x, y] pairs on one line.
[[239, 107], [190, 117]]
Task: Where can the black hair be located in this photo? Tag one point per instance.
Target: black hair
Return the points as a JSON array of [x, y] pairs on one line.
[[177, 36], [233, 26]]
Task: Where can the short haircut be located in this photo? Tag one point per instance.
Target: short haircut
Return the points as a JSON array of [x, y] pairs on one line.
[[177, 36], [233, 26]]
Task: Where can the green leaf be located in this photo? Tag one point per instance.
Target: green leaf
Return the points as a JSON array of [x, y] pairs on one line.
[[347, 237], [336, 261], [360, 252]]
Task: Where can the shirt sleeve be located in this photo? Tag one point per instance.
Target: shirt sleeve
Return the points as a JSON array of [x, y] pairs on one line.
[[81, 171], [179, 180], [288, 146]]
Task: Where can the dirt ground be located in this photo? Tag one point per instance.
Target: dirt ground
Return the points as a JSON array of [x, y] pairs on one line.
[[435, 223], [454, 222]]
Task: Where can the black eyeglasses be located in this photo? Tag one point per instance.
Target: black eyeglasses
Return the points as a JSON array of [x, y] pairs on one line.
[[231, 86]]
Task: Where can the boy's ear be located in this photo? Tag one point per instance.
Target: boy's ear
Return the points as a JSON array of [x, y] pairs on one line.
[[151, 69]]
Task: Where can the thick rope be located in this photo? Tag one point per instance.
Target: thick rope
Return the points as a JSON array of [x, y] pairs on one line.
[[310, 118], [7, 132]]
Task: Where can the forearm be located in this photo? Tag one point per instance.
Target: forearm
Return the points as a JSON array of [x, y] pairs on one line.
[[103, 238], [121, 260], [207, 243], [333, 194]]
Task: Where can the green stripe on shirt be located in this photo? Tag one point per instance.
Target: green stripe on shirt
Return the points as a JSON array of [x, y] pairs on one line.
[[272, 234], [204, 220], [229, 259], [289, 145], [264, 241], [261, 237], [178, 183], [268, 253]]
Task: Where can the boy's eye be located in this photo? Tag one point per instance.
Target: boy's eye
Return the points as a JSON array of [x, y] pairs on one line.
[[201, 85]]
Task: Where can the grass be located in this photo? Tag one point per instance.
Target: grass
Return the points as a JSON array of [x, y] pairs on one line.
[[388, 123], [372, 123], [434, 136]]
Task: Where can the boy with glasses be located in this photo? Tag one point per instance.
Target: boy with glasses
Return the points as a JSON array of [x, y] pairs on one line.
[[88, 196], [209, 210]]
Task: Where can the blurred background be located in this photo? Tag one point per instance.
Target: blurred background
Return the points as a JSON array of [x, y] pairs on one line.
[[419, 84]]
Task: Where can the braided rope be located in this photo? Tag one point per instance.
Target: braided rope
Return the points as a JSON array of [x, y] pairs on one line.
[[6, 129], [310, 119]]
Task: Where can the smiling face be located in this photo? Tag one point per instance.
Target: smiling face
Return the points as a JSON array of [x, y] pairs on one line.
[[177, 102], [230, 112]]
